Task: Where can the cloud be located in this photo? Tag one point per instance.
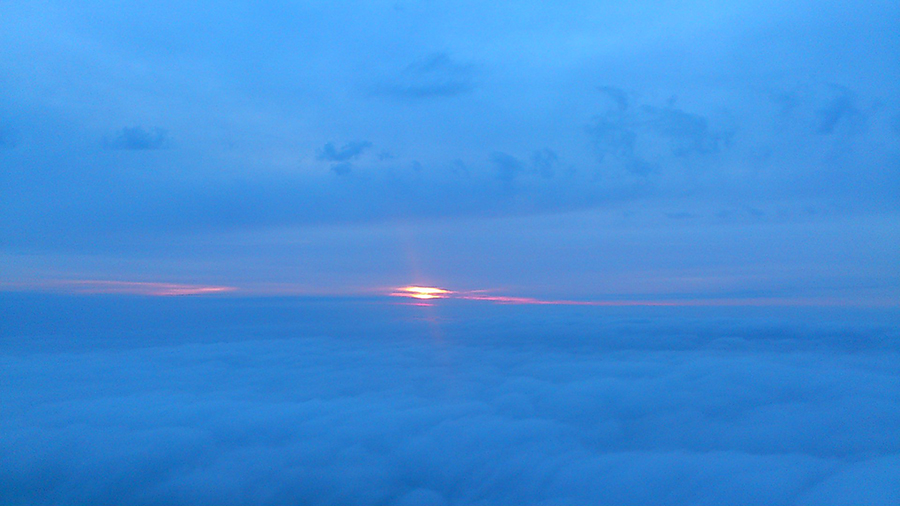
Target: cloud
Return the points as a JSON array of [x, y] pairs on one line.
[[342, 169], [839, 110], [643, 140], [350, 151], [434, 76], [287, 401], [138, 139], [688, 134], [507, 166], [545, 161], [614, 139], [154, 289], [617, 95]]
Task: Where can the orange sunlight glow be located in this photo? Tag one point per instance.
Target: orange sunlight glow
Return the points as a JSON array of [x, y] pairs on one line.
[[421, 292]]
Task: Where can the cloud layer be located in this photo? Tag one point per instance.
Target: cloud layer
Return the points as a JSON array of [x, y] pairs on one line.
[[443, 406]]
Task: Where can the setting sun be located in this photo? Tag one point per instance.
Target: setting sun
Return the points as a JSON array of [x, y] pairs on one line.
[[421, 292]]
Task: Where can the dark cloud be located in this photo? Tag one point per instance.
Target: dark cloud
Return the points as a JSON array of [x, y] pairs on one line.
[[141, 203], [640, 167], [545, 162], [436, 75], [311, 401], [138, 139], [459, 168], [639, 140], [839, 110], [640, 149], [617, 95], [688, 134], [436, 63], [613, 136], [342, 169], [350, 151], [507, 166]]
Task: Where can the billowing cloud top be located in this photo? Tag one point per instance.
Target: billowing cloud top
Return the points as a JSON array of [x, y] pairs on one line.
[[224, 401]]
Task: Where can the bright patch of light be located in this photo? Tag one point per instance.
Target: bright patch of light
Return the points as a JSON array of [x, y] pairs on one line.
[[421, 292]]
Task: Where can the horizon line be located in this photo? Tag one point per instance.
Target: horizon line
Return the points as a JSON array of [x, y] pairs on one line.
[[422, 295]]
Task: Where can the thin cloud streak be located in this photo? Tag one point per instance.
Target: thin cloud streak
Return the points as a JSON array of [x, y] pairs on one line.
[[94, 286], [426, 294]]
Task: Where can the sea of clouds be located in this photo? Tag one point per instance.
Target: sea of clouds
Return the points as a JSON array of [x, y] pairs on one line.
[[299, 401]]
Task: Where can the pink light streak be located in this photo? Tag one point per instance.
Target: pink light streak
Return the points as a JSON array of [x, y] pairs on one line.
[[425, 295], [94, 286]]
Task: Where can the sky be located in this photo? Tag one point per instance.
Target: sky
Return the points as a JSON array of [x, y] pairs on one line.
[[432, 253], [573, 150]]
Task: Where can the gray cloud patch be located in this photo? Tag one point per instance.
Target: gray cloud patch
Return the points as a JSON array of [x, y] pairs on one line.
[[641, 139], [436, 75], [138, 139], [614, 140], [687, 133], [349, 151], [508, 167], [839, 110], [617, 95], [545, 161], [612, 136], [342, 169]]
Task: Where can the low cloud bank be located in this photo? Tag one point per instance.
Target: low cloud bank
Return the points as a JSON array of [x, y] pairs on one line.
[[428, 408]]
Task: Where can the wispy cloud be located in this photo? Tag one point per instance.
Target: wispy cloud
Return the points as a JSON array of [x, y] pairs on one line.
[[95, 286], [428, 294], [347, 152], [138, 139], [434, 76]]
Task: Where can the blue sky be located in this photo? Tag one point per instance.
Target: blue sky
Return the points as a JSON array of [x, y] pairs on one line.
[[576, 149]]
